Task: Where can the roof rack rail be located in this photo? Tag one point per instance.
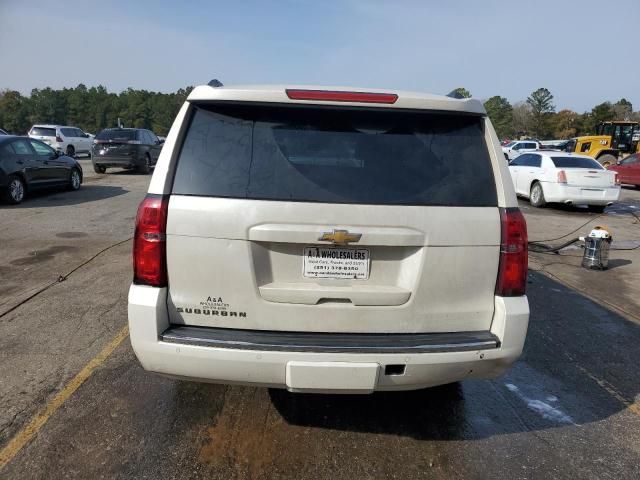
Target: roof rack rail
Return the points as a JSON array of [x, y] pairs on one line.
[[455, 94], [215, 83]]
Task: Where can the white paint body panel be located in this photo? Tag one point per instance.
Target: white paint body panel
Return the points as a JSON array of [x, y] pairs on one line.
[[433, 269]]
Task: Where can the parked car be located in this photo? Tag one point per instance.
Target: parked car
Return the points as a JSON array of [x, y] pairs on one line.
[[628, 170], [27, 164], [325, 241], [132, 148], [70, 140], [559, 177], [513, 149]]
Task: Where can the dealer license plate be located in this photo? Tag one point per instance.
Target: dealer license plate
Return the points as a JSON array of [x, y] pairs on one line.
[[336, 262]]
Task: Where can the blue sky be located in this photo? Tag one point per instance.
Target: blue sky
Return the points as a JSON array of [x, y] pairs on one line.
[[491, 47]]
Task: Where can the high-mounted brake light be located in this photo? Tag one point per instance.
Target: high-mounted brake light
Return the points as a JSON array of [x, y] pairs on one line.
[[337, 96], [512, 272], [149, 242], [562, 176]]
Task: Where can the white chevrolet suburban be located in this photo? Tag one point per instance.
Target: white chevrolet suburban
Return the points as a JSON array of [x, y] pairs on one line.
[[341, 241]]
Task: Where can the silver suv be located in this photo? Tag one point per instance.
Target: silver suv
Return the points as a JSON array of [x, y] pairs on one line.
[[329, 241]]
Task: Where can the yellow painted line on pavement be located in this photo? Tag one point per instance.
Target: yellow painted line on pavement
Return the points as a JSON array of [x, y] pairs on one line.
[[24, 436]]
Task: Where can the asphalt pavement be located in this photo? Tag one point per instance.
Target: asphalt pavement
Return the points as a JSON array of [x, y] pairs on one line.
[[78, 405]]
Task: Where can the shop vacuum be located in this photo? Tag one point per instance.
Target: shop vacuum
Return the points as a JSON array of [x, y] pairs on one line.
[[596, 249]]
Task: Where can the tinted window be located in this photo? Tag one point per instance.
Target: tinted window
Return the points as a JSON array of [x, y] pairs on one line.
[[518, 161], [152, 137], [335, 156], [43, 132], [576, 162], [534, 161], [117, 135], [630, 159], [68, 132], [78, 132], [41, 148], [530, 145], [21, 147]]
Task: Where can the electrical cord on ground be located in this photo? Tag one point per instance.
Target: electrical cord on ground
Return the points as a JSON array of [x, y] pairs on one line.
[[62, 278], [572, 231], [542, 248]]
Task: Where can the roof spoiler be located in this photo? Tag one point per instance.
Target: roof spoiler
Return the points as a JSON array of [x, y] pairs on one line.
[[215, 83]]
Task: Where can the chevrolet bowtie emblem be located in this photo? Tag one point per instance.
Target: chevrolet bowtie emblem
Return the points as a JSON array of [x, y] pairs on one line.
[[340, 237]]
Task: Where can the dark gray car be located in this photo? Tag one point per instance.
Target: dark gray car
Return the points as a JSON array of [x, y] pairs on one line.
[[27, 164], [132, 148]]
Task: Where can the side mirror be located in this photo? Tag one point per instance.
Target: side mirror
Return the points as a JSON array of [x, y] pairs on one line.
[[55, 154], [85, 135], [161, 141]]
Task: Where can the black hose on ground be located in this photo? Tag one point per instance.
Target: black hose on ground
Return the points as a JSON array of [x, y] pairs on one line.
[[543, 248]]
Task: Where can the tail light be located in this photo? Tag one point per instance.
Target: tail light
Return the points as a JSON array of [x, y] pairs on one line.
[[59, 139], [617, 179], [512, 272], [562, 176], [149, 242]]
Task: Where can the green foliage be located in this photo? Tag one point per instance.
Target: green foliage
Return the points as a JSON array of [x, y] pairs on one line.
[[542, 109], [623, 109], [463, 92], [91, 109], [501, 114], [564, 124]]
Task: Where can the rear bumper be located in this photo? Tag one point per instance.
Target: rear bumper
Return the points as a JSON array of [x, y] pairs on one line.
[[191, 355], [119, 161], [556, 193]]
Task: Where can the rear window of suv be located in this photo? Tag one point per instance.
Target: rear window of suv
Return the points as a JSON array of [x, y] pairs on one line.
[[335, 155], [43, 131], [116, 135]]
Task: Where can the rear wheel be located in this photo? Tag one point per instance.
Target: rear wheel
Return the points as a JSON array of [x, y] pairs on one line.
[[607, 159], [74, 179], [536, 196], [146, 167], [71, 152], [99, 169], [15, 191]]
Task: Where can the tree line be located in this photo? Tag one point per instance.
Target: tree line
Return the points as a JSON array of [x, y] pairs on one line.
[[90, 109], [536, 117], [93, 109]]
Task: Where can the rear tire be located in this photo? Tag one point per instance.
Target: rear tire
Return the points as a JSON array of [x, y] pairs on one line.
[[71, 152], [99, 169], [607, 159], [15, 191], [146, 167], [536, 195], [74, 179]]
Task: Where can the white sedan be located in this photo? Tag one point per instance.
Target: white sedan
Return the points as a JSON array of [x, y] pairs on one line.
[[558, 177]]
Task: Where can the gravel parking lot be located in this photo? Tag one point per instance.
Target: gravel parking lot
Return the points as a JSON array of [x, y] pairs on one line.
[[78, 405]]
